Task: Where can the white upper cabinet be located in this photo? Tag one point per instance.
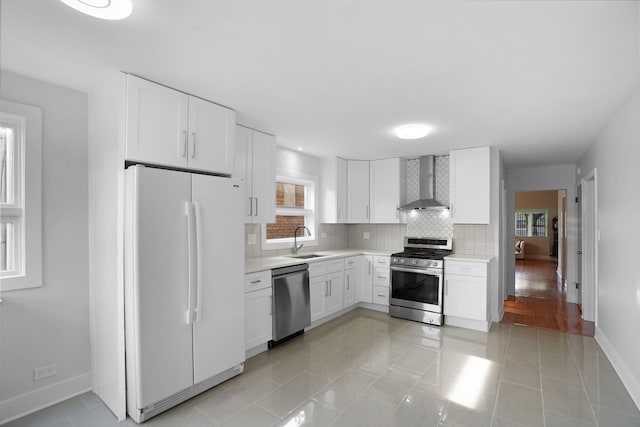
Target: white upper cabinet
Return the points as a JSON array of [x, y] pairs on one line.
[[333, 190], [357, 191], [387, 190], [255, 162], [470, 192], [212, 135], [170, 128]]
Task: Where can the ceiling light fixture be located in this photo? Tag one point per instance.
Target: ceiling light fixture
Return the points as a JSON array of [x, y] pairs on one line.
[[412, 131], [103, 9], [299, 148]]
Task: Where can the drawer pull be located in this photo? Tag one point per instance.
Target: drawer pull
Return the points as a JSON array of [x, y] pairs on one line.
[[253, 282]]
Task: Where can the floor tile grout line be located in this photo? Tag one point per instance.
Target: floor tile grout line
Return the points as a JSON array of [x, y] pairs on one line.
[[544, 419], [582, 383], [495, 403]]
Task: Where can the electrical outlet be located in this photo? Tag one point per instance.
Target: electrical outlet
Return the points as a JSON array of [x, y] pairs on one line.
[[44, 372], [251, 239], [323, 235], [366, 235]]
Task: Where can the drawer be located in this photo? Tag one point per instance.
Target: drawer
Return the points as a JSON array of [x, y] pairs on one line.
[[335, 265], [381, 277], [317, 268], [381, 295], [381, 261], [256, 281], [350, 262], [478, 269]]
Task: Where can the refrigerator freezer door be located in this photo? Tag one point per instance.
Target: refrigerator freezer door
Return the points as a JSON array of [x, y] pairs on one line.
[[161, 335], [218, 331]]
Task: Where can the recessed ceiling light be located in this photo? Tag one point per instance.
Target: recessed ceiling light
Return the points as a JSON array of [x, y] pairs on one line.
[[412, 131], [299, 148], [103, 9]]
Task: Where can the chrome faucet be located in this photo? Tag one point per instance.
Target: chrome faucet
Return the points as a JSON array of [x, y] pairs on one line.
[[297, 247]]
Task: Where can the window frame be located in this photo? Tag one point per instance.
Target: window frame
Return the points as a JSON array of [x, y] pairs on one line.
[[531, 212], [26, 207], [309, 211]]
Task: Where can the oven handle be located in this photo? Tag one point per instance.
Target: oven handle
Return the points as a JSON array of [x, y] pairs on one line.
[[430, 271]]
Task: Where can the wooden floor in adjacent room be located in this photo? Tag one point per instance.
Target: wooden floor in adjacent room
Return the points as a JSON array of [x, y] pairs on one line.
[[540, 300]]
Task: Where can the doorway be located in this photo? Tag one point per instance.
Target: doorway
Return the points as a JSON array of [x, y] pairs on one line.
[[540, 295]]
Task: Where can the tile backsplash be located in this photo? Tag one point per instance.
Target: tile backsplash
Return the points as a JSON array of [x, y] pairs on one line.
[[336, 238]]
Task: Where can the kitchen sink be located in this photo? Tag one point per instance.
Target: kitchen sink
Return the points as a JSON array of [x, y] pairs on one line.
[[305, 256]]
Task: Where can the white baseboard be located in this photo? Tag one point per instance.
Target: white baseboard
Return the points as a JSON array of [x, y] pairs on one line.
[[375, 307], [41, 398], [478, 325], [626, 375]]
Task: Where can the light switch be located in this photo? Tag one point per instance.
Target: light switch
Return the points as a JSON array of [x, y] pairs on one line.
[[251, 239], [323, 235], [366, 235]]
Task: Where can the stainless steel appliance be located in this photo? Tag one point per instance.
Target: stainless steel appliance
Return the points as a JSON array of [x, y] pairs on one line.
[[417, 276], [291, 311]]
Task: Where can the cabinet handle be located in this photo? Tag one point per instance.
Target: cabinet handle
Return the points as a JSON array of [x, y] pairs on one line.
[[347, 282], [256, 206], [330, 287], [184, 144], [193, 151], [446, 287], [326, 288], [250, 206], [253, 282], [367, 212], [369, 267]]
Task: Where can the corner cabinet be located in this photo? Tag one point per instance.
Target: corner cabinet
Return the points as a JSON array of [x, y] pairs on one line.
[[170, 128], [470, 191], [255, 162], [333, 191], [388, 190], [466, 293], [357, 191]]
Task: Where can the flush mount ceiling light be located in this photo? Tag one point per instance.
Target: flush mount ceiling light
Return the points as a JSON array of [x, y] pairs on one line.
[[103, 9], [412, 131]]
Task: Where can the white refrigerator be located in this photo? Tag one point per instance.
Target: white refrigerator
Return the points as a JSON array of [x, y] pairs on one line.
[[184, 301]]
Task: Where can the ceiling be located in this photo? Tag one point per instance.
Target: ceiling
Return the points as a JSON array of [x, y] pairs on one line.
[[538, 80]]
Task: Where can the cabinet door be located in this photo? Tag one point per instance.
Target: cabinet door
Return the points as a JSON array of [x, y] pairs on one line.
[[465, 296], [258, 321], [219, 291], [341, 191], [212, 136], [349, 287], [365, 278], [470, 190], [264, 177], [385, 191], [243, 168], [357, 191], [156, 125], [335, 298], [318, 291]]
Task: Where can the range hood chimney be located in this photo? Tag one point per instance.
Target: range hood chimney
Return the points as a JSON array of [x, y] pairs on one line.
[[426, 182]]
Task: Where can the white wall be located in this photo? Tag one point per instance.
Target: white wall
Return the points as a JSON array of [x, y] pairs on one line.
[[537, 179], [616, 154], [50, 325]]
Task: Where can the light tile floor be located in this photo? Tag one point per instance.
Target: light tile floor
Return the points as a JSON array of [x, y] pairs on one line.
[[368, 369]]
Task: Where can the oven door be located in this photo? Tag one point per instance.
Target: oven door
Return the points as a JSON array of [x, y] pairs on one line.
[[417, 288]]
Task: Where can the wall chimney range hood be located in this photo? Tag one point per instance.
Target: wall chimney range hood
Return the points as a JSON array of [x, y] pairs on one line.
[[426, 182]]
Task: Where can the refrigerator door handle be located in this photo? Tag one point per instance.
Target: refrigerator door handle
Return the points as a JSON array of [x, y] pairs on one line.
[[191, 259], [198, 282]]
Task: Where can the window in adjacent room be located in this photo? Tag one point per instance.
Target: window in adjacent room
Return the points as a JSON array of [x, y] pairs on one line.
[[20, 198], [531, 222], [295, 206]]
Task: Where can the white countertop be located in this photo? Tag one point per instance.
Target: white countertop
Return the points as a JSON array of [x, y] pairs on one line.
[[251, 265], [471, 258]]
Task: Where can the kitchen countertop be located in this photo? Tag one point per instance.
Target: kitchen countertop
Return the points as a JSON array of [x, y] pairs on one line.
[[471, 258], [252, 265]]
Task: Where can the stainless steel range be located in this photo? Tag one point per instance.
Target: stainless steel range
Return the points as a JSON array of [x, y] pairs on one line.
[[417, 277]]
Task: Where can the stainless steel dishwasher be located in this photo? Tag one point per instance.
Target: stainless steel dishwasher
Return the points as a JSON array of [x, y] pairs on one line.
[[291, 313]]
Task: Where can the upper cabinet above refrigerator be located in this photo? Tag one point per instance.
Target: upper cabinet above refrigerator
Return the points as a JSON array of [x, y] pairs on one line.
[[170, 128]]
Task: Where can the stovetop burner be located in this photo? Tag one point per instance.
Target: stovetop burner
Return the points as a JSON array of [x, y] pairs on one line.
[[423, 254]]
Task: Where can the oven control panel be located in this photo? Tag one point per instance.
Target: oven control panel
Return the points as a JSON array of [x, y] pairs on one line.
[[416, 262]]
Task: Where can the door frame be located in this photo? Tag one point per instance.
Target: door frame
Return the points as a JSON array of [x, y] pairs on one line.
[[590, 237]]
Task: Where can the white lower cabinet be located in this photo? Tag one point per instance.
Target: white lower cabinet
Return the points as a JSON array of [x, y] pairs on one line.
[[258, 305], [381, 280], [326, 286], [364, 265], [350, 287], [465, 294]]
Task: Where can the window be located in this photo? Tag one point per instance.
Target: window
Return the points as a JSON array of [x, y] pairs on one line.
[[295, 206], [531, 222], [20, 198]]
